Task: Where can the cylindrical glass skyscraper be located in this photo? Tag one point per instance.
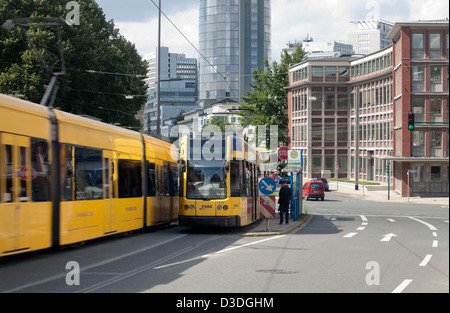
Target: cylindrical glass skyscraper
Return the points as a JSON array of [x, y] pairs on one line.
[[234, 37]]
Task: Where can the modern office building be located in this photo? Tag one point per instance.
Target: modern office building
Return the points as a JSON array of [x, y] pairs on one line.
[[349, 115], [370, 36], [234, 38], [178, 87]]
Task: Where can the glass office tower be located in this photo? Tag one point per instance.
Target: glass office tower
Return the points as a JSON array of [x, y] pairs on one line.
[[234, 38]]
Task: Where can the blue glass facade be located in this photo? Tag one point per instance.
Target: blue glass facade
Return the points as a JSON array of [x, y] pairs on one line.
[[234, 37]]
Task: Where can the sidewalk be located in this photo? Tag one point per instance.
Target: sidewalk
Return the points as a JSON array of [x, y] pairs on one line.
[[275, 229], [382, 196]]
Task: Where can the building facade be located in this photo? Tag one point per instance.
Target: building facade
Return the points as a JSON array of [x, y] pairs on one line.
[[349, 114], [178, 87], [421, 51], [370, 36], [234, 39]]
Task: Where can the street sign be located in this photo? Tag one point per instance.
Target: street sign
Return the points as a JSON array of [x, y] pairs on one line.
[[294, 157], [283, 153], [267, 205], [412, 171], [267, 186]]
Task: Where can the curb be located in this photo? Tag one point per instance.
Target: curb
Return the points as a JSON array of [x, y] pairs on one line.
[[297, 225]]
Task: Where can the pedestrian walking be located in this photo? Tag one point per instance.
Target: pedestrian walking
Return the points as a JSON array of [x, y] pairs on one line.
[[284, 201]]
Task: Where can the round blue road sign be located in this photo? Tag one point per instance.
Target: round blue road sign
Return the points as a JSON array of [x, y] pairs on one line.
[[267, 186]]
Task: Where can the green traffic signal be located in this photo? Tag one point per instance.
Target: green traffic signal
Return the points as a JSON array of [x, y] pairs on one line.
[[411, 121]]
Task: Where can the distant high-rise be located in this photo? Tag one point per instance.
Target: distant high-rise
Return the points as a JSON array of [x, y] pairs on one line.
[[234, 37], [370, 36]]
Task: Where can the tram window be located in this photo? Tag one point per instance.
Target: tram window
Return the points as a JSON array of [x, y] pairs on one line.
[[23, 197], [130, 180], [66, 172], [166, 180], [235, 181], [151, 179], [88, 174], [174, 179], [8, 196], [39, 163]]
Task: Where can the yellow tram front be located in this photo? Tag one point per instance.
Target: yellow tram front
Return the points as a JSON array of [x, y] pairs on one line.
[[218, 183]]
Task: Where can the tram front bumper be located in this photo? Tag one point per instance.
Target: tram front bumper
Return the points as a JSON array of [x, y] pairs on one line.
[[209, 221]]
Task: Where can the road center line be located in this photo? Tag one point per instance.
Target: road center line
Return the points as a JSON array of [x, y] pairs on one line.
[[402, 286], [350, 235], [218, 252]]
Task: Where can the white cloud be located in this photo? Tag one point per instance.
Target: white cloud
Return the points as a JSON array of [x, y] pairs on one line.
[[145, 34]]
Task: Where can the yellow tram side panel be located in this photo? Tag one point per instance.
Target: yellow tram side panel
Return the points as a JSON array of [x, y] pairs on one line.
[[24, 225], [87, 219], [161, 208]]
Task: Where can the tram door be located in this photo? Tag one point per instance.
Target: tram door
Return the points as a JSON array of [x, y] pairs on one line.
[[15, 182], [110, 190]]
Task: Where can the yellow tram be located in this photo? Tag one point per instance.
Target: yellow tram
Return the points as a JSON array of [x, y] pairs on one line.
[[66, 179], [218, 182]]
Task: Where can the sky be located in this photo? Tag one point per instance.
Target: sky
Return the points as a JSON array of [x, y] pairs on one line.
[[323, 20]]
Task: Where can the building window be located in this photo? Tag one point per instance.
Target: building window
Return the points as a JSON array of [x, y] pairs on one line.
[[435, 46], [344, 72], [436, 143], [418, 50], [436, 109], [418, 108], [330, 72], [316, 164], [418, 76], [435, 174], [317, 71], [418, 146], [435, 78], [417, 177]]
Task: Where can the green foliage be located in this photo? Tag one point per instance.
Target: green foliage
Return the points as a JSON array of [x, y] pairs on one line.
[[102, 66], [268, 100]]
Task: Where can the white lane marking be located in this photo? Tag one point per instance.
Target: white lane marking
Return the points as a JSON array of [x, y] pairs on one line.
[[361, 228], [434, 234], [364, 219], [431, 227], [402, 286], [350, 235], [364, 224], [218, 252], [391, 220], [426, 260], [435, 243]]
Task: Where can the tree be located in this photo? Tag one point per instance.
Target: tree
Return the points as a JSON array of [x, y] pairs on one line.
[[102, 66], [267, 101]]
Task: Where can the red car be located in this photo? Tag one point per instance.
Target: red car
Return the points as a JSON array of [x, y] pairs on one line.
[[313, 189]]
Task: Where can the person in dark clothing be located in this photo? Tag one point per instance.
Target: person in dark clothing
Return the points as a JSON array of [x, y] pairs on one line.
[[284, 201]]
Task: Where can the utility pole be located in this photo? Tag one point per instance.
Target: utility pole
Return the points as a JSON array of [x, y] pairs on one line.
[[357, 139], [158, 87]]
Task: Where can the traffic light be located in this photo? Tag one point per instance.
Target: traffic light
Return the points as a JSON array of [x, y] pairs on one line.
[[411, 121]]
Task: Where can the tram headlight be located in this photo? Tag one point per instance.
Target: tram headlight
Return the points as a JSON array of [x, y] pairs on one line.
[[186, 207], [192, 207], [219, 207], [225, 207]]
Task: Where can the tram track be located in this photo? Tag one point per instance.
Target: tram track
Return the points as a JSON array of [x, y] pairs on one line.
[[149, 265]]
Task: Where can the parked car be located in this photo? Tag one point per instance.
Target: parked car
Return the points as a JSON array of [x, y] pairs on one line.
[[313, 189], [324, 181]]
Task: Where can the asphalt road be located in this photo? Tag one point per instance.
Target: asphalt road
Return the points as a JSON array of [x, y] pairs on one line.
[[350, 245]]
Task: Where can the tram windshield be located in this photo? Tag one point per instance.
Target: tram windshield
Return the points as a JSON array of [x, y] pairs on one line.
[[206, 180]]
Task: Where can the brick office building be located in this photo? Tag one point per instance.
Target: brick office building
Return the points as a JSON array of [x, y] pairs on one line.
[[336, 137]]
